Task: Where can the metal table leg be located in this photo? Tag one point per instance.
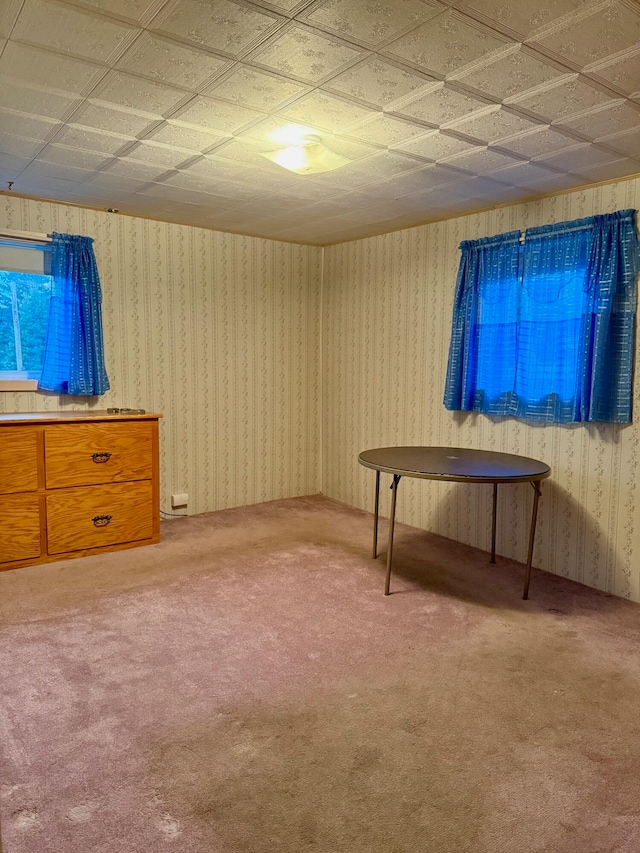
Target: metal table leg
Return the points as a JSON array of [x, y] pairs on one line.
[[392, 521], [532, 531], [377, 512], [493, 523]]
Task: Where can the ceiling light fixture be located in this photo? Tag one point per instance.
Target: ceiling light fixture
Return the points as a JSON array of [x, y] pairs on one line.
[[308, 157]]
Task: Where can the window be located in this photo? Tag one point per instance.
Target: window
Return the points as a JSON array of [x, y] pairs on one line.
[[25, 295], [543, 328], [51, 315]]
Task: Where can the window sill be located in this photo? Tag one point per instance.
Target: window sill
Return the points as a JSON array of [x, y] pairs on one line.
[[18, 385]]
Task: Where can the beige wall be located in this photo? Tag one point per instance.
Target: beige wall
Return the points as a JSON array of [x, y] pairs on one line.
[[387, 305], [217, 332]]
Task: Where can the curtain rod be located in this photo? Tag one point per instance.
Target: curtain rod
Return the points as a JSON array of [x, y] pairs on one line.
[[26, 235]]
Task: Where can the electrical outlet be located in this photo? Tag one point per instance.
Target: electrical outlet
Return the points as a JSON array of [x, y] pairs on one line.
[[179, 500]]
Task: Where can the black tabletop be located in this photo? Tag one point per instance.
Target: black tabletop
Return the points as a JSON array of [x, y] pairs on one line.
[[455, 463]]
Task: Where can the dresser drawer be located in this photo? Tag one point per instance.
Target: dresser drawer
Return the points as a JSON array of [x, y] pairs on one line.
[[18, 459], [19, 527], [95, 516], [84, 454]]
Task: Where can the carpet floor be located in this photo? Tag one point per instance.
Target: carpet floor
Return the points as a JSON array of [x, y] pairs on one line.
[[246, 687]]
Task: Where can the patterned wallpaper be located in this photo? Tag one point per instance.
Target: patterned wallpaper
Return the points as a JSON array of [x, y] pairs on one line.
[[387, 304], [218, 333]]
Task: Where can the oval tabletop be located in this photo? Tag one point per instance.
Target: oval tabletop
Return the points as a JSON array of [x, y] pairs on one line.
[[455, 463]]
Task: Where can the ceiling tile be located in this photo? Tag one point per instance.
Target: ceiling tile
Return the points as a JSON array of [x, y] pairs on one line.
[[370, 23], [377, 82], [345, 178], [90, 140], [133, 10], [18, 146], [125, 167], [544, 140], [176, 64], [285, 5], [492, 124], [574, 159], [270, 206], [481, 161], [138, 93], [10, 167], [251, 88], [510, 74], [427, 177], [46, 169], [523, 19], [447, 44], [436, 145], [562, 99], [309, 191], [352, 149], [386, 130], [228, 27], [218, 116], [245, 151], [101, 117], [112, 186], [322, 110], [342, 202], [46, 187], [627, 143], [30, 126], [8, 14], [173, 194], [525, 175], [620, 116], [622, 168], [64, 156], [623, 73], [595, 34], [39, 102], [556, 182], [386, 164], [225, 189], [275, 130], [37, 67], [72, 30], [271, 180], [212, 167], [184, 136], [305, 54], [439, 106], [159, 155]]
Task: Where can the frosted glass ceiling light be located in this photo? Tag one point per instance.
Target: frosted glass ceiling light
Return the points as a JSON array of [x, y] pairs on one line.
[[308, 157]]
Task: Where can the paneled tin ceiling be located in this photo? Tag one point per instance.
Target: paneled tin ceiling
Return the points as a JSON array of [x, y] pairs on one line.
[[162, 108]]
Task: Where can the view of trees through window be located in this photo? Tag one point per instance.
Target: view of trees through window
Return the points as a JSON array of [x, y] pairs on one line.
[[24, 313]]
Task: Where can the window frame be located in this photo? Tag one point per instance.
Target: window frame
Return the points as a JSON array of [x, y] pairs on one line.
[[30, 240]]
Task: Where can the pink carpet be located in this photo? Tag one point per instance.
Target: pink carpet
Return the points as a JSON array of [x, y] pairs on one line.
[[245, 687]]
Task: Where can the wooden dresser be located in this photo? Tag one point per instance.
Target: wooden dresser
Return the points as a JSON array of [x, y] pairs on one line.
[[76, 483]]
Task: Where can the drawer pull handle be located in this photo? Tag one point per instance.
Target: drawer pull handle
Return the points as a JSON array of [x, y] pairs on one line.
[[101, 520], [101, 457]]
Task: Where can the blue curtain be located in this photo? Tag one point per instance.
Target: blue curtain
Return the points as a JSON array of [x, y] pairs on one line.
[[545, 331], [74, 351]]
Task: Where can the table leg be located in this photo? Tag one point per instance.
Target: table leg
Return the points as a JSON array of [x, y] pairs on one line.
[[532, 531], [392, 521], [493, 523], [375, 521]]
